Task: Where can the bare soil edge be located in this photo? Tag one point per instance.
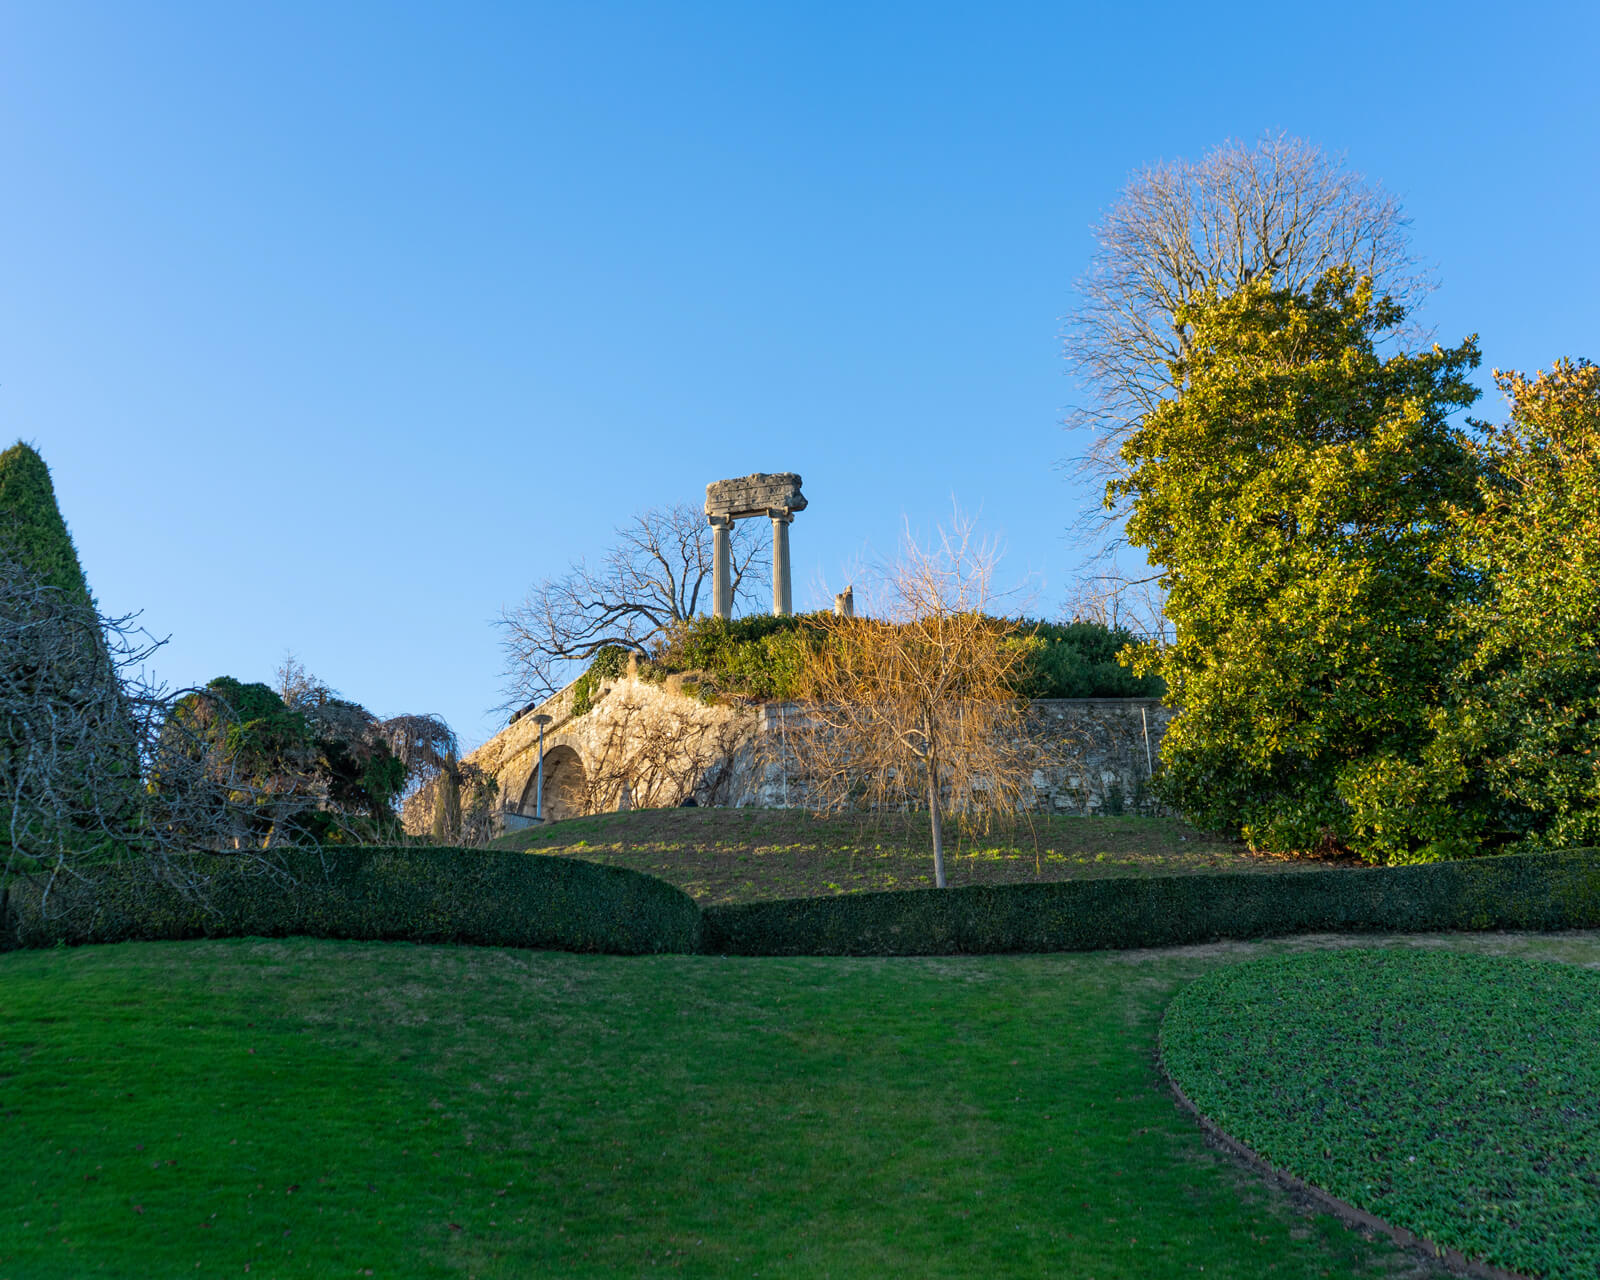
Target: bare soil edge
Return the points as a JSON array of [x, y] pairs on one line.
[[1303, 1192]]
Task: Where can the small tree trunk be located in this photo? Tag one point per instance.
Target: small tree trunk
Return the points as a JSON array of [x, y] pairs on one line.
[[935, 818]]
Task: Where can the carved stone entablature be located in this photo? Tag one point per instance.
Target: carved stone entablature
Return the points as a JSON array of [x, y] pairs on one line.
[[777, 496], [761, 494]]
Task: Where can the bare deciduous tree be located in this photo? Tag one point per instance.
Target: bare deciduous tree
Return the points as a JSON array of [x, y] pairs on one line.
[[1280, 206], [1277, 207], [657, 574], [917, 708]]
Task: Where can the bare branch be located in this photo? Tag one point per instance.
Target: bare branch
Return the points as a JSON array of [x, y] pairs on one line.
[[1280, 206], [917, 709], [658, 573]]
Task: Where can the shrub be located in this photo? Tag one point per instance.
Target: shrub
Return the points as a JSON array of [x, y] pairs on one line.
[[609, 663], [1079, 660], [762, 656], [411, 894], [1525, 891]]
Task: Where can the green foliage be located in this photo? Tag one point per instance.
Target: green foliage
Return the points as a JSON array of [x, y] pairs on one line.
[[310, 776], [1524, 891], [1451, 1095], [757, 657], [1079, 660], [32, 531], [762, 657], [1512, 758], [1298, 495], [609, 663], [504, 898], [408, 893]]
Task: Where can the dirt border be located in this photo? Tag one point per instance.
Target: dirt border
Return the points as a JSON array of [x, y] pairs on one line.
[[1356, 1218]]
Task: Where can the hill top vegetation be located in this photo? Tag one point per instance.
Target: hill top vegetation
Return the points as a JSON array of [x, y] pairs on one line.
[[761, 658]]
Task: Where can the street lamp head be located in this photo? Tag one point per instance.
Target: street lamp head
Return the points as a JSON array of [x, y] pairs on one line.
[[542, 719]]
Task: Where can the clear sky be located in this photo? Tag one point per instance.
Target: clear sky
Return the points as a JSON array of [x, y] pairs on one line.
[[340, 324]]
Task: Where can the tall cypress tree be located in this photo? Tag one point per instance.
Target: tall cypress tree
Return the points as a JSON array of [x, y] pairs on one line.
[[32, 532], [69, 761]]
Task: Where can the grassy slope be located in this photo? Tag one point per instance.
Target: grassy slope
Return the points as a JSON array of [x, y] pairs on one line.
[[739, 855], [298, 1107]]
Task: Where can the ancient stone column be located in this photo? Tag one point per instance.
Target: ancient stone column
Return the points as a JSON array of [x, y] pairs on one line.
[[782, 598], [775, 494], [721, 567]]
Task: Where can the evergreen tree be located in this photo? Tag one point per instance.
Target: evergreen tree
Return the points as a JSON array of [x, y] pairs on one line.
[[69, 758], [32, 532], [1300, 494]]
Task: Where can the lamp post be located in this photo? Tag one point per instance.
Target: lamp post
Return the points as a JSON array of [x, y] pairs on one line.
[[538, 796]]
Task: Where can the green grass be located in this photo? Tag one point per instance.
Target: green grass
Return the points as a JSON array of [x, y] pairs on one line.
[[747, 855], [1455, 1095], [322, 1108]]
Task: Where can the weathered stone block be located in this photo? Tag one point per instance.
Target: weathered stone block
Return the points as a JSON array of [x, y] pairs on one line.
[[755, 495]]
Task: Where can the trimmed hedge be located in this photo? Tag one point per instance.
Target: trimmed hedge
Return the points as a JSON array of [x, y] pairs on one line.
[[406, 893], [1523, 891], [509, 899]]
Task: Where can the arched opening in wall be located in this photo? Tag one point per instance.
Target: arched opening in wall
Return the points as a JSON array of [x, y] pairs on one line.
[[565, 786]]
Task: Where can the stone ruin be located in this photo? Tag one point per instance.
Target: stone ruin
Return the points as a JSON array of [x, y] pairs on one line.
[[776, 496], [653, 745]]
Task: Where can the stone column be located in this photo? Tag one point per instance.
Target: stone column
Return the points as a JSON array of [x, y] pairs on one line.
[[722, 567], [782, 597]]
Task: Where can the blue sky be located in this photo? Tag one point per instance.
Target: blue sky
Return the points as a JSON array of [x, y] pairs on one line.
[[339, 325]]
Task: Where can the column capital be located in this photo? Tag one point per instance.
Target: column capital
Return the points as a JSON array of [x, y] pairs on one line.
[[719, 521], [781, 513]]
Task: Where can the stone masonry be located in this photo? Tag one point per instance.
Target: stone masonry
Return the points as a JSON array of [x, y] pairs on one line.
[[654, 745]]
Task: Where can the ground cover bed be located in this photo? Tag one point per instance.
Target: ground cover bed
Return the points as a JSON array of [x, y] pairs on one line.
[[1457, 1096], [324, 1108], [747, 855]]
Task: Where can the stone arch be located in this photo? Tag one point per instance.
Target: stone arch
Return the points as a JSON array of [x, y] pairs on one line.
[[566, 785]]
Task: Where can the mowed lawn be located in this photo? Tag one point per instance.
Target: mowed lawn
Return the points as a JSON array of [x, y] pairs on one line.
[[741, 855], [300, 1107]]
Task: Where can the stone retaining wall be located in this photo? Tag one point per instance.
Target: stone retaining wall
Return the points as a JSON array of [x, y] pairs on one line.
[[652, 745]]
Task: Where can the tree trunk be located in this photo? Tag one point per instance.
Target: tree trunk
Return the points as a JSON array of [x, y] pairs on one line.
[[938, 825]]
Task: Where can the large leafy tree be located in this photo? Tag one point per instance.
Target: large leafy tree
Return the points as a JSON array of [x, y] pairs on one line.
[[1513, 757], [1297, 495]]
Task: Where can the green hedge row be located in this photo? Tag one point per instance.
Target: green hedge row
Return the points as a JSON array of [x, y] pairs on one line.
[[1525, 891], [510, 899], [408, 893]]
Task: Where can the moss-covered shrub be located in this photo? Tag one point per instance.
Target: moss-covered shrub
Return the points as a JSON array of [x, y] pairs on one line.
[[410, 893], [1527, 891]]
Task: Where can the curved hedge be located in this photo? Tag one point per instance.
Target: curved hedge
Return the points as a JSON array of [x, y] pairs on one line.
[[405, 893], [510, 899], [1523, 891]]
